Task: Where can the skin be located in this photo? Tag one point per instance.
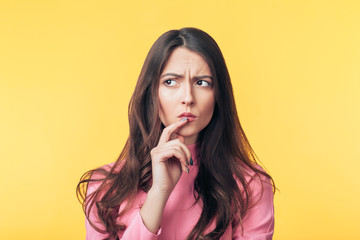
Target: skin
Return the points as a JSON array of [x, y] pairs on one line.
[[185, 86]]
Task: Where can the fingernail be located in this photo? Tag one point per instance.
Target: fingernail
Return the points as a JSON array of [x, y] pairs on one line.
[[187, 169], [184, 119], [191, 161]]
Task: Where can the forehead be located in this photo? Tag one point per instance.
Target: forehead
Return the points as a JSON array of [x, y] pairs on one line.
[[183, 59]]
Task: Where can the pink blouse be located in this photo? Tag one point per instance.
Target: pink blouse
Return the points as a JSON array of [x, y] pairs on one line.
[[180, 214]]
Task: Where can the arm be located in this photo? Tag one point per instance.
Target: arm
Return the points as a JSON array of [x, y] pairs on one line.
[[258, 222], [169, 159], [135, 226], [91, 233]]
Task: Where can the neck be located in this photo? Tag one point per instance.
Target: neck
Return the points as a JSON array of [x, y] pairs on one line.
[[190, 140]]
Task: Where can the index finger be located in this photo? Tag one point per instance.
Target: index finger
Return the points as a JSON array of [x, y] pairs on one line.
[[172, 128]]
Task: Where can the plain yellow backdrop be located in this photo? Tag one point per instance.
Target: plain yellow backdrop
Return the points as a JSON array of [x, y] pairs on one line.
[[68, 68]]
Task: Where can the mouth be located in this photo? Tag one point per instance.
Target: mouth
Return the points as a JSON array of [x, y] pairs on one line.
[[191, 117]]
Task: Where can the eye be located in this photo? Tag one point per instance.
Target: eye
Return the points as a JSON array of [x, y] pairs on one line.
[[203, 83], [169, 82]]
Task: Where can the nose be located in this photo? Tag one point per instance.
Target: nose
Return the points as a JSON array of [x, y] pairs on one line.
[[188, 97]]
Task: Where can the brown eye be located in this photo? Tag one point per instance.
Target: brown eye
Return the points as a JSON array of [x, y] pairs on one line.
[[169, 82], [203, 83]]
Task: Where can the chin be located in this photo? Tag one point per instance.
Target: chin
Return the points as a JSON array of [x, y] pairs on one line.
[[189, 132]]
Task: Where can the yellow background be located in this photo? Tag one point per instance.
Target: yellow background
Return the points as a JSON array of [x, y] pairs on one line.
[[68, 68]]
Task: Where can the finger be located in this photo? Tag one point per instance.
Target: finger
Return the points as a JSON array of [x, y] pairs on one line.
[[179, 144], [174, 152], [172, 128], [185, 148], [182, 159]]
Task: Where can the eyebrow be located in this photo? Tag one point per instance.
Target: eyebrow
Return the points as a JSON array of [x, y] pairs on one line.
[[180, 76]]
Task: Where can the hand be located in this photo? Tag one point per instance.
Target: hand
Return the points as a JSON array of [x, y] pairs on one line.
[[169, 158]]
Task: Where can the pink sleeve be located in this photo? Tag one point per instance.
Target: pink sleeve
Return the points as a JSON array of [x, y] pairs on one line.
[[91, 233], [135, 226], [258, 223], [136, 230]]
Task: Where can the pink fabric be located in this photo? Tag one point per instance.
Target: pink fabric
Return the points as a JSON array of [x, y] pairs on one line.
[[180, 214]]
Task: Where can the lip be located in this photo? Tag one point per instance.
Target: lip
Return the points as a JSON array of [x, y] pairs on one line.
[[191, 117]]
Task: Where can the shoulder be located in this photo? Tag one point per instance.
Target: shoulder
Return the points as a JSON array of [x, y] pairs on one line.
[[259, 184], [95, 228], [258, 221], [99, 174], [255, 174]]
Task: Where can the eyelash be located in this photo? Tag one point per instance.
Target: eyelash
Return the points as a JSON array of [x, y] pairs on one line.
[[166, 82], [208, 83]]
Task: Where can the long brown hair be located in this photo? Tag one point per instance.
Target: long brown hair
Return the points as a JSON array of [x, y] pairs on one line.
[[223, 150]]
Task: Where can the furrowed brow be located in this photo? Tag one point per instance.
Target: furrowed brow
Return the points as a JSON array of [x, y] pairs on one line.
[[181, 76], [203, 76], [171, 74]]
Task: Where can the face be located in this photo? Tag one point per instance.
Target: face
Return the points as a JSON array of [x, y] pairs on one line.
[[186, 90]]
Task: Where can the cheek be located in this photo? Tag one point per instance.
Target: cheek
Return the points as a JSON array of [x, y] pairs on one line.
[[209, 106], [166, 106]]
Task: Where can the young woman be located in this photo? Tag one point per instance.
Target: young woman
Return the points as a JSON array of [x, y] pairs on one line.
[[187, 170]]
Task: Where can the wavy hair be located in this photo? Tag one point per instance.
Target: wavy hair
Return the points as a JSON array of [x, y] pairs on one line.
[[224, 150]]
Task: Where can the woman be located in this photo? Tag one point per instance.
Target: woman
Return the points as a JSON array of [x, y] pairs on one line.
[[187, 170]]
